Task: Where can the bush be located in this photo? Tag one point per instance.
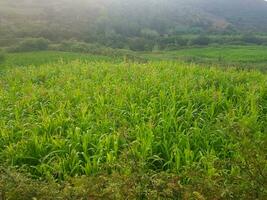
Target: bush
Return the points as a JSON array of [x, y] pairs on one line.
[[31, 44], [138, 44], [251, 39], [82, 47], [79, 47], [201, 40], [76, 46]]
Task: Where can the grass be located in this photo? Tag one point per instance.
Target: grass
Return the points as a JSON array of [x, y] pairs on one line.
[[240, 56], [95, 128], [243, 57]]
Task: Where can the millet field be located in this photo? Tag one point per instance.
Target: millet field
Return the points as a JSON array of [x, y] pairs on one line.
[[98, 129]]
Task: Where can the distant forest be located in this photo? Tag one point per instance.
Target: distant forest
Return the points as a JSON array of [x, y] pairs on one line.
[[134, 24]]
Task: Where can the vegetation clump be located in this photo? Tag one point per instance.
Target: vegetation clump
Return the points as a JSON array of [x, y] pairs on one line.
[[30, 44]]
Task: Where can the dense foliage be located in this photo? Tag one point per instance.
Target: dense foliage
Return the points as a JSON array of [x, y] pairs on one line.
[[30, 44], [205, 127], [131, 24]]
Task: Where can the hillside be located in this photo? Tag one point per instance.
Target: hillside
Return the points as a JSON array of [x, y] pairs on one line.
[[118, 19]]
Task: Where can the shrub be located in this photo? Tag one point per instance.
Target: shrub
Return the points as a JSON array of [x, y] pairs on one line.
[[79, 47], [82, 47], [31, 44], [137, 44], [251, 39], [180, 41], [73, 46], [201, 40]]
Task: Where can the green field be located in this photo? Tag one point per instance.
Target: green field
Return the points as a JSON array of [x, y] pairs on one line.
[[232, 54], [243, 57], [79, 126], [239, 56]]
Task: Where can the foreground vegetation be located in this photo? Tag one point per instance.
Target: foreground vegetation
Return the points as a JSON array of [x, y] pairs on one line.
[[94, 128]]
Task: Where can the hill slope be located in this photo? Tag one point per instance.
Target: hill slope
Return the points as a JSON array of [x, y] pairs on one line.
[[93, 20]]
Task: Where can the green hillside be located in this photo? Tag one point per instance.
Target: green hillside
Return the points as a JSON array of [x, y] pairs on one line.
[[121, 22]]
